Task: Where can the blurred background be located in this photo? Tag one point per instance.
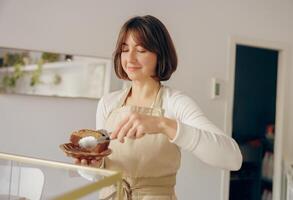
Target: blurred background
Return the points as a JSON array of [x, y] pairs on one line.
[[235, 60]]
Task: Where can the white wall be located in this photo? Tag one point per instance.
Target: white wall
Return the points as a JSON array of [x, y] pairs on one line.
[[201, 31]]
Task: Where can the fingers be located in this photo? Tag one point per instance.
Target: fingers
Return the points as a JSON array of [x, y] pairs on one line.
[[96, 162], [84, 162], [131, 126], [124, 131], [80, 161], [131, 133], [140, 132], [115, 133], [77, 161]]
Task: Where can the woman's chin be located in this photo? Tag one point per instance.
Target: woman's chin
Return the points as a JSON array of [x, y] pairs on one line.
[[134, 77]]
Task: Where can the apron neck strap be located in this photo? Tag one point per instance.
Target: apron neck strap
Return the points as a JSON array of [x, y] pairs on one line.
[[158, 100], [156, 104], [124, 96]]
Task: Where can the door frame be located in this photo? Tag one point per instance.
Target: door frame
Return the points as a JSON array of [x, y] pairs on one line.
[[280, 105]]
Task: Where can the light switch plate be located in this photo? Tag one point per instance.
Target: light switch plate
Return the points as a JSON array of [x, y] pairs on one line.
[[217, 88]]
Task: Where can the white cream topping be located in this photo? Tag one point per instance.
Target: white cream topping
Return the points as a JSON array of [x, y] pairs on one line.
[[88, 142]]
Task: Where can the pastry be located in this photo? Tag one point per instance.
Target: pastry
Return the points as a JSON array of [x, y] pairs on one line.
[[90, 140]]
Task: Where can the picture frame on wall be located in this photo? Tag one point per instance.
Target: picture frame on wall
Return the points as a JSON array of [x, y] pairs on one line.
[[52, 74]]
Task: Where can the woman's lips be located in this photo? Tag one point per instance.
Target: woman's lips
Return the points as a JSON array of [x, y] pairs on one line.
[[132, 69]]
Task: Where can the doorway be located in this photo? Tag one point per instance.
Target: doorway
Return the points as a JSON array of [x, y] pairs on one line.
[[251, 143], [254, 110]]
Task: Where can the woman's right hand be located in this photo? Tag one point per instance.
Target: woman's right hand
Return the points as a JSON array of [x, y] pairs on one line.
[[93, 163]]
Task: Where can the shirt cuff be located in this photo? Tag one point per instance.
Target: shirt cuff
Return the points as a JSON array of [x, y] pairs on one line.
[[91, 176], [187, 137]]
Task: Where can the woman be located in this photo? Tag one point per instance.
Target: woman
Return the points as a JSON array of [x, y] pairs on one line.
[[150, 122]]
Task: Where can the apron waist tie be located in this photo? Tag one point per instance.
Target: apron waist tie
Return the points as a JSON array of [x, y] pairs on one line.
[[127, 191], [150, 185]]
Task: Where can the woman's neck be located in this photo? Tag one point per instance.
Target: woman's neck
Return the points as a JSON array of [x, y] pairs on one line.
[[143, 94]]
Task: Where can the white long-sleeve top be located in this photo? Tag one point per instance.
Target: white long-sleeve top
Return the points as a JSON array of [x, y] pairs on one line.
[[195, 133]]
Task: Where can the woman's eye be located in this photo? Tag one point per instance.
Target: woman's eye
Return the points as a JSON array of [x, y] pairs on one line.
[[124, 50], [141, 50]]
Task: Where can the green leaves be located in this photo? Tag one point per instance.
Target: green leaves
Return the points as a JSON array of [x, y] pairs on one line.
[[35, 79], [10, 80]]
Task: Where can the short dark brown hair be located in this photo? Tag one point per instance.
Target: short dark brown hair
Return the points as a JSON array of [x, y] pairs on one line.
[[151, 34]]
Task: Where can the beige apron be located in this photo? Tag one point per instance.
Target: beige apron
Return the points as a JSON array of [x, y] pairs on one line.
[[149, 164]]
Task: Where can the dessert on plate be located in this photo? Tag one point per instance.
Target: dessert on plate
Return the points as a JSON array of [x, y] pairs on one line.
[[87, 144]]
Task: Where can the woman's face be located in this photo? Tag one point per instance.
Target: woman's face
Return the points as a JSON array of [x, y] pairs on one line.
[[138, 63]]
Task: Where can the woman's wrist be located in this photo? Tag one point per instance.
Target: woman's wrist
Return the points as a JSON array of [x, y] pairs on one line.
[[168, 127]]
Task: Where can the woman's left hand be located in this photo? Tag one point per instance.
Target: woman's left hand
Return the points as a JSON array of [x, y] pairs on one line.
[[137, 125]]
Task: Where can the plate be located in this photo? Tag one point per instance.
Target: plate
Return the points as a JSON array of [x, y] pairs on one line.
[[76, 152]]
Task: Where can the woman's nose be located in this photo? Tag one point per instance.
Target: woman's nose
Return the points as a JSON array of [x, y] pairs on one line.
[[131, 56]]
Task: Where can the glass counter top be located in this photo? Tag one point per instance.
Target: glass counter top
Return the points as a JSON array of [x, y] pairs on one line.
[[31, 178]]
